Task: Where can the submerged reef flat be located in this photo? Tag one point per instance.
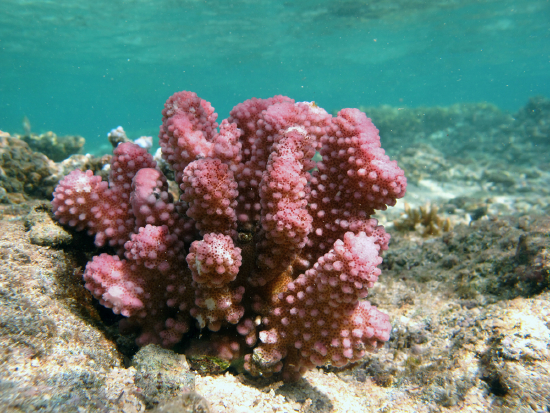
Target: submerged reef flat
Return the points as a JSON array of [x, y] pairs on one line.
[[479, 131], [470, 159], [454, 151], [465, 283]]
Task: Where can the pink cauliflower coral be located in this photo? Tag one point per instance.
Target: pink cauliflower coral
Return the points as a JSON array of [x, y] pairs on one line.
[[260, 232]]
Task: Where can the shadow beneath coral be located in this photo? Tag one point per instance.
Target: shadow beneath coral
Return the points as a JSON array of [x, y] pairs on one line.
[[301, 391]]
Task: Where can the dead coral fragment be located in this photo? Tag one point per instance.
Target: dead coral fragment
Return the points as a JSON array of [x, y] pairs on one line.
[[424, 220]]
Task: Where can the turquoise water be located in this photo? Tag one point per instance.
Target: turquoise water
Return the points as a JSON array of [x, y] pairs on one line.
[[82, 67]]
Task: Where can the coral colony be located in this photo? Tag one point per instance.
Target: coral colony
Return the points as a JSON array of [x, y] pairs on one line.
[[269, 249]]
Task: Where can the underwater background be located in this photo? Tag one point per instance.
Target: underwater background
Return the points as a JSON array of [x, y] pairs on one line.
[[81, 67], [460, 93]]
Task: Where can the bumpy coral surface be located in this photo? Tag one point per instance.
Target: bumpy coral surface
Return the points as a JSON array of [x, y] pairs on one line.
[[264, 243]]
